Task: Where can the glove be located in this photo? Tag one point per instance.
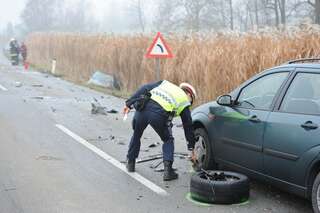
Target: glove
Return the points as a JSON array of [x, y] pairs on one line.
[[126, 110], [193, 157]]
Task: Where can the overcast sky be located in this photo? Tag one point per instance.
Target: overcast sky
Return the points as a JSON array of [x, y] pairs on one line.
[[10, 9]]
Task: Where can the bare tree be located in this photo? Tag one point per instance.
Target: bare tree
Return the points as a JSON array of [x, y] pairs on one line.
[[136, 13], [40, 15], [316, 5], [169, 16]]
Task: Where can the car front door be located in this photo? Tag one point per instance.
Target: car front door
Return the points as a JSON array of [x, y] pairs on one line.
[[240, 128], [293, 130]]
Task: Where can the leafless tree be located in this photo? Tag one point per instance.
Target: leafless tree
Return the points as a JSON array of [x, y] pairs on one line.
[[136, 13], [40, 15]]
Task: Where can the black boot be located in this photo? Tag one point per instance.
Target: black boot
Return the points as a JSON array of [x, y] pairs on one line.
[[169, 174], [131, 165]]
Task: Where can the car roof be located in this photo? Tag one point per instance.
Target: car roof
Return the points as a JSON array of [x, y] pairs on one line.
[[315, 66]]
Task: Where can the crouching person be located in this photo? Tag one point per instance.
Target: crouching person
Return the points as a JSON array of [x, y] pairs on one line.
[[157, 104]]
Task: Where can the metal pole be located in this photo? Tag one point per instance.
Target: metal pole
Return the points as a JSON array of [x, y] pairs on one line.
[[157, 69]]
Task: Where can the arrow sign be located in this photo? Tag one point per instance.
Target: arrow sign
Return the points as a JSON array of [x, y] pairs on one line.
[[159, 48]]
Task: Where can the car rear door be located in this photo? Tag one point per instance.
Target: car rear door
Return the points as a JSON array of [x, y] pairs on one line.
[[240, 128], [293, 129]]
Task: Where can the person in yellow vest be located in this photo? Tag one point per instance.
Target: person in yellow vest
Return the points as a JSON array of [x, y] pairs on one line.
[[157, 104]]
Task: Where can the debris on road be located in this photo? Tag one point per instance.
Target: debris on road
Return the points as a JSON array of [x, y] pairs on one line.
[[153, 145], [149, 159], [38, 97], [37, 85], [102, 80], [179, 125], [53, 109], [18, 84], [96, 108]]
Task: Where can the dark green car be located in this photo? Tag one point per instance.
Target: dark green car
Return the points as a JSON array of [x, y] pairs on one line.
[[268, 128]]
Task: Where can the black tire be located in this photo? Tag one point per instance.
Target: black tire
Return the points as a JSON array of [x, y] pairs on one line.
[[316, 194], [234, 189], [205, 161]]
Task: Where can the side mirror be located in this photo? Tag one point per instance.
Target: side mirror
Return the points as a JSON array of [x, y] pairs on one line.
[[225, 100]]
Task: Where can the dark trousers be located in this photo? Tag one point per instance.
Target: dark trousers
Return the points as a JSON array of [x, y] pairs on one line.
[[160, 123]]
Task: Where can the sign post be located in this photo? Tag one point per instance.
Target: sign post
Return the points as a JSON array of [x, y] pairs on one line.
[[159, 49]]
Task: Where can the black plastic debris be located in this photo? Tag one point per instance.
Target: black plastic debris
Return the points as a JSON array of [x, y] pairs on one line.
[[153, 145]]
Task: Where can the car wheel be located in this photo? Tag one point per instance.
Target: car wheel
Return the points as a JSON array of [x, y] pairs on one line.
[[315, 194], [203, 150], [219, 187]]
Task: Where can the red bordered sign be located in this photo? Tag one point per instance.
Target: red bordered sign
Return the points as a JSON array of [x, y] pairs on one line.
[[159, 48]]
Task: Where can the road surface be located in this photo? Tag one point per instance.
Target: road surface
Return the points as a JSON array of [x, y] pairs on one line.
[[55, 156]]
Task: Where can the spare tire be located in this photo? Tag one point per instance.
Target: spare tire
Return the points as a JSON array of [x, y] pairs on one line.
[[219, 187]]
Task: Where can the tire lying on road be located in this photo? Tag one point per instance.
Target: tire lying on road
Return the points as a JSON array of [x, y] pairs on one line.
[[219, 187]]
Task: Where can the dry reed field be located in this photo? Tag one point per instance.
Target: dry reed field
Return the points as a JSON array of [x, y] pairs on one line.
[[214, 64]]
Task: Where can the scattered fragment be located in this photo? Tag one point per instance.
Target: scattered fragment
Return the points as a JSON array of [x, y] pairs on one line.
[[49, 158], [38, 97], [96, 108], [154, 145], [149, 159], [10, 189], [162, 169], [18, 84], [112, 137], [102, 79], [121, 143], [139, 197], [179, 125], [53, 109], [156, 165], [37, 85]]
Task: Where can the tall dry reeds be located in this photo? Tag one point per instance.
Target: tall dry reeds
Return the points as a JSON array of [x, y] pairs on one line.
[[214, 64]]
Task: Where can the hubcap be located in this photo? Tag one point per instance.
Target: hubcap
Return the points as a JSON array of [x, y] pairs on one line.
[[200, 150]]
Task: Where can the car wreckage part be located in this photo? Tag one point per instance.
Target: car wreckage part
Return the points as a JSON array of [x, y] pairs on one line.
[[219, 187]]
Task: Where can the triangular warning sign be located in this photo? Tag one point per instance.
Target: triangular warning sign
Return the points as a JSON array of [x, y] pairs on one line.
[[159, 48]]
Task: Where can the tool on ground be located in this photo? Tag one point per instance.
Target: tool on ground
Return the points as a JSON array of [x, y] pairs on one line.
[[180, 155]]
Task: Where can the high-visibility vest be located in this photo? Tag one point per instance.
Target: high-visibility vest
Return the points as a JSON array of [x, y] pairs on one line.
[[170, 97]]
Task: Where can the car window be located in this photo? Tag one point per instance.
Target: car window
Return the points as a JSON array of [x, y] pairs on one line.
[[303, 95], [260, 93]]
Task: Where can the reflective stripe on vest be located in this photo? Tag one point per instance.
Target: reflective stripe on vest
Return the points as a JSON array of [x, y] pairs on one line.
[[170, 97]]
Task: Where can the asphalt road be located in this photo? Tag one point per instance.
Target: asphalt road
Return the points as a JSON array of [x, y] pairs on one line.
[[55, 156]]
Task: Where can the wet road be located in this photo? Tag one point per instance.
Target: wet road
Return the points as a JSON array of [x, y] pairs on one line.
[[55, 156]]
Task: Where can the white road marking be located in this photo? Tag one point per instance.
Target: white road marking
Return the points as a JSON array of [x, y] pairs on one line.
[[3, 88], [113, 161]]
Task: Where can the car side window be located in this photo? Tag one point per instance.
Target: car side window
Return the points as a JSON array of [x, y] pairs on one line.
[[303, 95], [260, 93]]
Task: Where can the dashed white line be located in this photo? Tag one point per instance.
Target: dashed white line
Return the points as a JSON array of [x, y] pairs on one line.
[[3, 88], [114, 162]]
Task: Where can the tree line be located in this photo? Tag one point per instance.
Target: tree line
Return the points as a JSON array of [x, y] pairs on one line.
[[164, 15]]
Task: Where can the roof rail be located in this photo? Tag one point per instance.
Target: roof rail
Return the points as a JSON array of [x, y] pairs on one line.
[[303, 60]]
